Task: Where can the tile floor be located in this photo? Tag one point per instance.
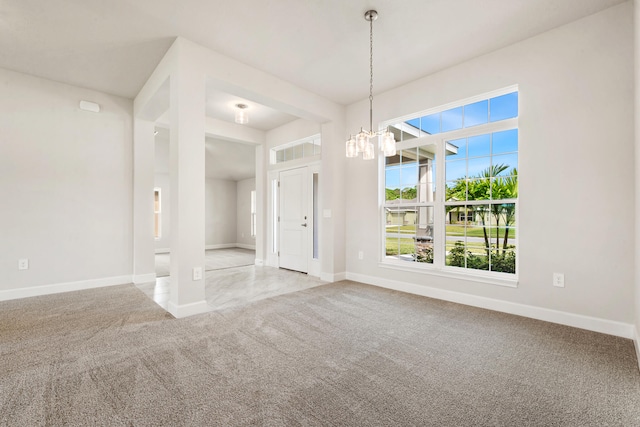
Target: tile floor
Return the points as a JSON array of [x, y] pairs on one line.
[[233, 287]]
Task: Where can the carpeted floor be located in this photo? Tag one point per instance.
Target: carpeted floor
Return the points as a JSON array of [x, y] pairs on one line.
[[214, 259], [337, 354]]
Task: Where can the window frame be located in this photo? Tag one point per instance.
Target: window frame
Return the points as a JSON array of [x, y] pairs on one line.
[[157, 213], [439, 267]]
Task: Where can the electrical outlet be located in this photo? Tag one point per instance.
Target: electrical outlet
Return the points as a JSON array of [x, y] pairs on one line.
[[23, 264], [197, 273], [360, 255], [558, 280]]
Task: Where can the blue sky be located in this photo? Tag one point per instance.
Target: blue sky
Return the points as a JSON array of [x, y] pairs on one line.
[[476, 153]]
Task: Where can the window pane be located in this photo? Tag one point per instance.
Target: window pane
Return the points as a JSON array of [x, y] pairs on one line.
[[461, 145], [430, 124], [456, 190], [477, 259], [392, 183], [298, 151], [504, 188], [408, 174], [279, 156], [426, 176], [507, 163], [504, 261], [424, 234], [503, 107], [452, 119], [481, 215], [505, 142], [478, 189], [456, 170], [415, 123], [455, 252], [308, 149], [479, 166], [479, 145], [476, 113], [288, 154]]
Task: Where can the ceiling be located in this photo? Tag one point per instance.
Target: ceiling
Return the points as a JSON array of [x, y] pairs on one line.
[[319, 45]]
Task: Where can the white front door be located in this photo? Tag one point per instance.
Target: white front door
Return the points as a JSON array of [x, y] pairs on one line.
[[294, 220]]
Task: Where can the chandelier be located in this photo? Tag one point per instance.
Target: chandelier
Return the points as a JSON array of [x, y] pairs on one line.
[[362, 142]]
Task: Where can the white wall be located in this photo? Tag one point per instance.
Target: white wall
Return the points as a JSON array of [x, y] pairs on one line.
[[636, 15], [243, 212], [576, 206], [221, 205], [220, 212], [65, 183]]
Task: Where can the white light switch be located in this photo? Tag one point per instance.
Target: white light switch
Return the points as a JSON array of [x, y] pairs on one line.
[[197, 273], [326, 213], [23, 264]]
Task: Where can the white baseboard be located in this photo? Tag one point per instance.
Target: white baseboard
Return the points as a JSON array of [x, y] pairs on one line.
[[186, 310], [220, 246], [333, 277], [636, 344], [595, 324], [34, 291], [245, 246], [144, 278]]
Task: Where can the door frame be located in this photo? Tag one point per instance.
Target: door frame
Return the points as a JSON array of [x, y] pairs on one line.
[[272, 227]]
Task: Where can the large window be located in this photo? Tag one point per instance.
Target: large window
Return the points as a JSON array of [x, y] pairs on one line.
[[450, 194]]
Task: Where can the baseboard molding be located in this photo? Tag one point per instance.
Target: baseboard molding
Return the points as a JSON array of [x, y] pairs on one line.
[[333, 277], [187, 310], [636, 344], [595, 324], [144, 278], [57, 288], [245, 246], [220, 246]]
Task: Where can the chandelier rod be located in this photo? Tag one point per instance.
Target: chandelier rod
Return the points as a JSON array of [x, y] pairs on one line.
[[371, 17]]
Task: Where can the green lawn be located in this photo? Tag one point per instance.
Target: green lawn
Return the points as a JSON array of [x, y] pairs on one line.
[[407, 246], [459, 230]]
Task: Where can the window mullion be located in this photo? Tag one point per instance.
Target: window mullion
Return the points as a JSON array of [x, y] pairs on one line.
[[439, 231]]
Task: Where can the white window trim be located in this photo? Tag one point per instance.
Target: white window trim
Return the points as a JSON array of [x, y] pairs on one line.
[[438, 268], [158, 212]]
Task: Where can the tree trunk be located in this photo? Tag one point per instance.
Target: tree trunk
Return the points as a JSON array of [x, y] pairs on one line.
[[505, 242], [486, 238]]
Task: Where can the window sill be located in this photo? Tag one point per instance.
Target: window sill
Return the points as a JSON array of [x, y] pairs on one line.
[[500, 279]]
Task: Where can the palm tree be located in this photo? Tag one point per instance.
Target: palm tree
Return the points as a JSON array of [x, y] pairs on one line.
[[480, 187]]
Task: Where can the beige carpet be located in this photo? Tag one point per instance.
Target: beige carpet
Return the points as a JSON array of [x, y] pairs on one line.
[[339, 354], [214, 259]]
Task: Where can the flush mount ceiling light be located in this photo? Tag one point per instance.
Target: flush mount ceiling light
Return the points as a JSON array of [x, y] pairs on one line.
[[242, 117], [362, 143]]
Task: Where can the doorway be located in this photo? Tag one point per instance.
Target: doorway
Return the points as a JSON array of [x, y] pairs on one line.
[[296, 226]]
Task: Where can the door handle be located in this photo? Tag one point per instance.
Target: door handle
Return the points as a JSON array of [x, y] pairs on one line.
[[304, 225]]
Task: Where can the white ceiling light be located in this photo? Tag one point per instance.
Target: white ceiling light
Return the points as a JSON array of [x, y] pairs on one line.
[[242, 117], [362, 143]]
